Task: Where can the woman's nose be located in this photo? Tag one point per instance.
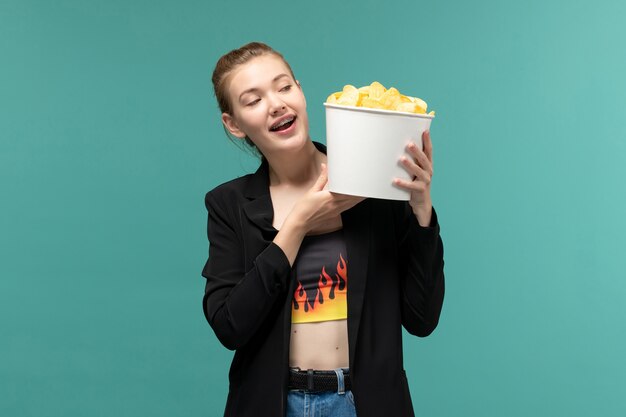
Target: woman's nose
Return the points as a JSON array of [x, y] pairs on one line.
[[276, 105]]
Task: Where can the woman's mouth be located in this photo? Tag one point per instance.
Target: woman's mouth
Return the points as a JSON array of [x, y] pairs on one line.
[[286, 127]]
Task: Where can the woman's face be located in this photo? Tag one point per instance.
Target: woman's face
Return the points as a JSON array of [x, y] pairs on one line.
[[263, 93]]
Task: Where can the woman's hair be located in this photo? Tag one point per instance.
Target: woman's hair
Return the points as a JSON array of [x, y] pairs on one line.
[[229, 62]]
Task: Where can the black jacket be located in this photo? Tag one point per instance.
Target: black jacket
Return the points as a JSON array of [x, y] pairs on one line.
[[396, 278]]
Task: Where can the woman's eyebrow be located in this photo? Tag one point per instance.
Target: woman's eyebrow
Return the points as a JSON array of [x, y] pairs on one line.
[[279, 76]]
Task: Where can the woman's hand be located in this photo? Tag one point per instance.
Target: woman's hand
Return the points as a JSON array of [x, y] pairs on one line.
[[319, 210], [420, 166]]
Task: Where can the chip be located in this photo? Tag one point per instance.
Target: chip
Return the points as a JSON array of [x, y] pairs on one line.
[[410, 108], [390, 99], [333, 97], [376, 90], [371, 103], [349, 97]]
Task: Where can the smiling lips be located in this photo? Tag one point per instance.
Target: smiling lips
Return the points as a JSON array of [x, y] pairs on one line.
[[283, 123]]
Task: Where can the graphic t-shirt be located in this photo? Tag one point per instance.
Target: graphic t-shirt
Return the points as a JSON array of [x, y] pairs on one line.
[[321, 273]]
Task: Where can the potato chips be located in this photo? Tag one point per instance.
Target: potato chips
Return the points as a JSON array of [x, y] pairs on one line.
[[376, 96]]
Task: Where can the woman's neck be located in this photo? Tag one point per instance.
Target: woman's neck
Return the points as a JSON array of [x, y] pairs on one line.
[[296, 169]]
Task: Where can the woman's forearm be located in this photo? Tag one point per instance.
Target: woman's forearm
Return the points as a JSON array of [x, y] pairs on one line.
[[289, 238]]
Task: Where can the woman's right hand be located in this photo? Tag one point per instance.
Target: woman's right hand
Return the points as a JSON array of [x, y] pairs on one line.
[[319, 210]]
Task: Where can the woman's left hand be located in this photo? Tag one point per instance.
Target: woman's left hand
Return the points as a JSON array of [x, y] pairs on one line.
[[420, 167]]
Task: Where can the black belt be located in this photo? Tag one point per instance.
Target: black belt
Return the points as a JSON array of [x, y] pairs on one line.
[[311, 380]]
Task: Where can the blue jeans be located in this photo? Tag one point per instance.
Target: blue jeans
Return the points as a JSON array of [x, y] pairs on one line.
[[338, 403]]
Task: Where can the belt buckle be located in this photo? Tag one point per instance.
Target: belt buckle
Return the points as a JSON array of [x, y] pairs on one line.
[[309, 380]]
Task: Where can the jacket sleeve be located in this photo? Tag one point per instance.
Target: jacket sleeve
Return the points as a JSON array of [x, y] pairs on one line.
[[420, 251], [237, 302]]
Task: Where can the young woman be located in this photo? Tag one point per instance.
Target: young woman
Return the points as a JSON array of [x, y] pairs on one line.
[[311, 288]]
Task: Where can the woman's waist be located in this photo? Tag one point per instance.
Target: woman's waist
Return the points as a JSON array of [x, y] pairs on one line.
[[319, 345]]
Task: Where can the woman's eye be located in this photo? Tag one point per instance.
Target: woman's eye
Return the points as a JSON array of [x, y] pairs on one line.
[[285, 88]]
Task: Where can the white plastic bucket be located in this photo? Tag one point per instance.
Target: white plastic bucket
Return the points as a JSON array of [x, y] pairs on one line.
[[364, 147]]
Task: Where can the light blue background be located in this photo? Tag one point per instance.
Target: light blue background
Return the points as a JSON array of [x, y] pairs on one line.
[[110, 136]]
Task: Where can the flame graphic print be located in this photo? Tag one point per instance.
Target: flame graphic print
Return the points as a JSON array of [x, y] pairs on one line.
[[325, 300]]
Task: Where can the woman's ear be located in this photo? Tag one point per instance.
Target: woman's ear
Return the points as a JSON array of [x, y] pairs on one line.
[[232, 126]]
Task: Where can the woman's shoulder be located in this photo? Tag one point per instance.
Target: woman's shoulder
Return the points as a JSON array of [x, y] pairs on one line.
[[229, 190], [235, 184]]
